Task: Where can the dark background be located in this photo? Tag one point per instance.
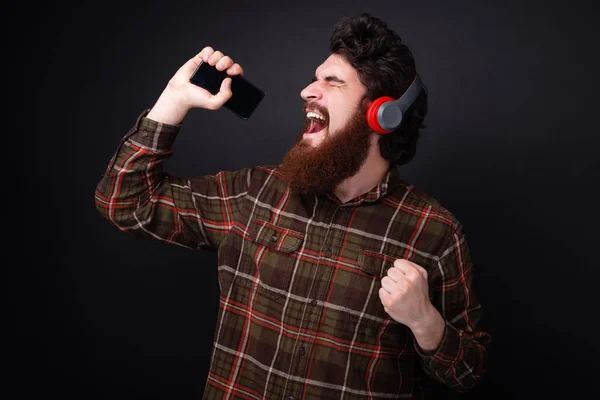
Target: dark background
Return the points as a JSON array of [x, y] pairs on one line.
[[510, 149]]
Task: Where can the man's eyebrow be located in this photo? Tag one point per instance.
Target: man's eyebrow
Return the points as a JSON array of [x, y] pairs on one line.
[[330, 78]]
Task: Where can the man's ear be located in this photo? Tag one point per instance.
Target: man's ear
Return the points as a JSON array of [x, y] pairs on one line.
[[365, 103]]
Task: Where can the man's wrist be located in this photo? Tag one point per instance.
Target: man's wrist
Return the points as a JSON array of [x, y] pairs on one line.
[[429, 330], [168, 109]]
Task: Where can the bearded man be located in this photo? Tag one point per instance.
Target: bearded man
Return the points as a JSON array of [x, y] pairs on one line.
[[338, 279]]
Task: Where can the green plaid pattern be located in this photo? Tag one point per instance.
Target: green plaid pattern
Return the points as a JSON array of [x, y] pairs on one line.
[[299, 315]]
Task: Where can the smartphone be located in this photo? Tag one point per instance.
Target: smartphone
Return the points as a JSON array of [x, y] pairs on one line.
[[245, 96]]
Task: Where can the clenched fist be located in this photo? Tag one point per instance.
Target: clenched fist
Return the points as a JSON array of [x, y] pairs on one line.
[[404, 293]]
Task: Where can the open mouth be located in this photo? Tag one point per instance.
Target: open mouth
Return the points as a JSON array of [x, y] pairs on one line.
[[315, 122]]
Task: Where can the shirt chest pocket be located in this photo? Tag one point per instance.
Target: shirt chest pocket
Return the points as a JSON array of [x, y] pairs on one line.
[[363, 301], [273, 250]]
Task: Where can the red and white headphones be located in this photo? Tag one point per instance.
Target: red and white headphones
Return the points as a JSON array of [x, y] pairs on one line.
[[385, 113]]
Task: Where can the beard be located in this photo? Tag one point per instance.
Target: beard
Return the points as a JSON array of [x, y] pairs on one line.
[[319, 170]]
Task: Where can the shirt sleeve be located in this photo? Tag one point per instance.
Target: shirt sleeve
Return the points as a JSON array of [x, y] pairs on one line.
[[138, 197], [460, 359]]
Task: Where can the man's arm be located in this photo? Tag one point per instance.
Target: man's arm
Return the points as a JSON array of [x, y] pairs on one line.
[[452, 348], [137, 196], [460, 358]]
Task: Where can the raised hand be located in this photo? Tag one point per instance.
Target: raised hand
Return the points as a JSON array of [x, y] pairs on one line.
[[180, 95]]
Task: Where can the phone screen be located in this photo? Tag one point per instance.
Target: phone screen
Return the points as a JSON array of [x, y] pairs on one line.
[[245, 96]]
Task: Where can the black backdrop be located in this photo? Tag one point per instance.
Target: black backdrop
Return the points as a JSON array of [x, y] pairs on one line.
[[510, 148]]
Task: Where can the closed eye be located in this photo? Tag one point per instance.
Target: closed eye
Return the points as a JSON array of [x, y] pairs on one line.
[[331, 79]]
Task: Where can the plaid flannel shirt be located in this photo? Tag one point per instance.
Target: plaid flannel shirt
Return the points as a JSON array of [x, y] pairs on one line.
[[299, 314]]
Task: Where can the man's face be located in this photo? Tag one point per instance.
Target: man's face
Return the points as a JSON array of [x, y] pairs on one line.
[[335, 140], [334, 94]]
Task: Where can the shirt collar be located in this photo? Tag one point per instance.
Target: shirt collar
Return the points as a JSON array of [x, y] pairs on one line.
[[387, 185]]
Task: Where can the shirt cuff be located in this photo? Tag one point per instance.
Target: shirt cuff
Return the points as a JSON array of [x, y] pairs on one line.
[[446, 353], [153, 134]]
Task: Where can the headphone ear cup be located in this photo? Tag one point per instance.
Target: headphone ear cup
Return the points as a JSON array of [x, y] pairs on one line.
[[372, 111]]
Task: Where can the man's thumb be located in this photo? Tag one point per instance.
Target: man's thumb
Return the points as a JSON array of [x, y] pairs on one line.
[[224, 92]]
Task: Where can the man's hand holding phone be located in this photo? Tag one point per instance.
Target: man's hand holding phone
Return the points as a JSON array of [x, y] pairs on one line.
[[181, 95]]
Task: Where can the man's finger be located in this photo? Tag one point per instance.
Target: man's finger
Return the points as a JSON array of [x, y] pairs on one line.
[[422, 270], [389, 285], [206, 53], [383, 295], [235, 69], [224, 94], [406, 267], [215, 57], [224, 63], [395, 274], [187, 69]]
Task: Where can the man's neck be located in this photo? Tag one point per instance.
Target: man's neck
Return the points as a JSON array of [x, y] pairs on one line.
[[370, 175]]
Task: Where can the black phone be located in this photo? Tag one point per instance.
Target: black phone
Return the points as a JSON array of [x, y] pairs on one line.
[[245, 96]]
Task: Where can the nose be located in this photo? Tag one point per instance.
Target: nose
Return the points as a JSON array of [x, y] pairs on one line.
[[311, 92]]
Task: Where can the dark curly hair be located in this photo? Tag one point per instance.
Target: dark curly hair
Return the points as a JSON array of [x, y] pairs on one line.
[[386, 67]]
